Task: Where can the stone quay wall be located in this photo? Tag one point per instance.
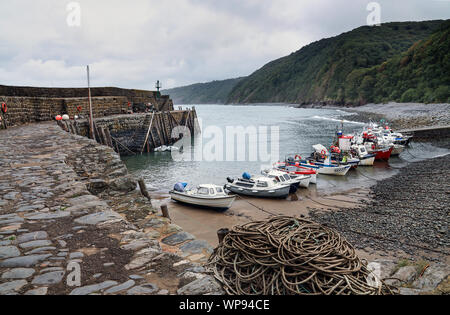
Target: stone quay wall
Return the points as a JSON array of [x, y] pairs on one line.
[[22, 110], [126, 134], [66, 200], [33, 104]]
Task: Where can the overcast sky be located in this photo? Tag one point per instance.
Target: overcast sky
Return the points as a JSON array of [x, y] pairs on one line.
[[132, 44]]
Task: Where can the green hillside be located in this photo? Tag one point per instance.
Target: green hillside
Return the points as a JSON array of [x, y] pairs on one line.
[[421, 74], [215, 92], [334, 70]]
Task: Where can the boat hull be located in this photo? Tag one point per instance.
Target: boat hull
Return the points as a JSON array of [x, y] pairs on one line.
[[367, 161], [398, 149], [260, 193], [335, 171], [383, 155], [220, 203]]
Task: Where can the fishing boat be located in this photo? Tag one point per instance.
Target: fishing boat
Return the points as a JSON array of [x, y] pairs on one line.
[[260, 186], [365, 158], [381, 153], [321, 159], [294, 169], [331, 169], [207, 196]]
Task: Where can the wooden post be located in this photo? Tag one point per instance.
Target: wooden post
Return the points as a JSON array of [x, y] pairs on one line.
[[144, 190], [221, 234], [108, 137], [165, 212], [91, 116], [148, 134], [103, 136]]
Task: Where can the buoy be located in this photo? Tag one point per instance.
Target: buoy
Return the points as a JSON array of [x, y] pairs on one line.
[[4, 108], [65, 117], [76, 117], [58, 118]]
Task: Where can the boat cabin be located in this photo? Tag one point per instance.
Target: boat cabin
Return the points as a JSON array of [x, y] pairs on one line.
[[210, 190]]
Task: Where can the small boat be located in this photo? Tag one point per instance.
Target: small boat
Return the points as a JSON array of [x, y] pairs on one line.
[[166, 149], [294, 168], [382, 154], [296, 181], [261, 186], [325, 167], [207, 196], [366, 159], [398, 149], [332, 169]]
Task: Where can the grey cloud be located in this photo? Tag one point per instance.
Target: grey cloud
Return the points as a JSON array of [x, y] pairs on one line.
[[133, 44]]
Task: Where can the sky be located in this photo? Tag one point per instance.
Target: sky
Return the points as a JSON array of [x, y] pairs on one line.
[[132, 44]]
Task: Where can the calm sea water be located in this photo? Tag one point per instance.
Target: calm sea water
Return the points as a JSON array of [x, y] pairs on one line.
[[299, 130]]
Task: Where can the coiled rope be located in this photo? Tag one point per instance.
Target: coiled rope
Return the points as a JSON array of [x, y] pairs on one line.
[[291, 256]]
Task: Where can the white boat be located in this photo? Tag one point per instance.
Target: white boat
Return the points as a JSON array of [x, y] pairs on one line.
[[209, 196], [261, 186], [167, 149], [366, 159], [326, 167], [398, 149], [295, 181], [336, 170]]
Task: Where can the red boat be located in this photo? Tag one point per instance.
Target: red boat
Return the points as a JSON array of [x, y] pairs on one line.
[[383, 154], [296, 169]]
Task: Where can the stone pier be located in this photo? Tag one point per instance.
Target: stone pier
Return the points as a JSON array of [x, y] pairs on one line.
[[127, 134], [73, 222]]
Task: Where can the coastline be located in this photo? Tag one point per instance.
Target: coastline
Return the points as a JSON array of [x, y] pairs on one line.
[[401, 115], [157, 249]]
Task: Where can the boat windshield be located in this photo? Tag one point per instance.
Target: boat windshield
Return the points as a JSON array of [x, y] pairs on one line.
[[262, 184], [287, 177], [203, 191], [219, 190]]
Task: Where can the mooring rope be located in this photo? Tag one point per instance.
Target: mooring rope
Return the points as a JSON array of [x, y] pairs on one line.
[[291, 256]]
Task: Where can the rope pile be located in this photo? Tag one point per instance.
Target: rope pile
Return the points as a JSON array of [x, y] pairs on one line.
[[290, 256]]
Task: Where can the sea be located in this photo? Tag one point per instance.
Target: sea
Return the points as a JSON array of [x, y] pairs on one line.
[[266, 133]]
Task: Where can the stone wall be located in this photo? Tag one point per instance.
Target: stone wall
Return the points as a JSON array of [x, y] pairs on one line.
[[128, 132], [31, 104], [23, 110]]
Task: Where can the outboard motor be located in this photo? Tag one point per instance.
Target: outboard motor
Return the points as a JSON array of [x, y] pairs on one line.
[[230, 180]]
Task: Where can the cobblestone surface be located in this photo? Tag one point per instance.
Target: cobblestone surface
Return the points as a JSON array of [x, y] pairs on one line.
[[66, 201]]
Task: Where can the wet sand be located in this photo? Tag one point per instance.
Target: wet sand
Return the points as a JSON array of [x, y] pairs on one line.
[[204, 223]]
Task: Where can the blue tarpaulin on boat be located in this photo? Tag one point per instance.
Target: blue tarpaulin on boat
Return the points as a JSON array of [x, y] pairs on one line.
[[246, 176], [180, 187]]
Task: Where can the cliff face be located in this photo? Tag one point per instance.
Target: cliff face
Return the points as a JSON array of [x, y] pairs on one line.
[[30, 104]]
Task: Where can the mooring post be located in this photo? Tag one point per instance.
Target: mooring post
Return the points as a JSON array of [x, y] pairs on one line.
[[144, 190], [221, 234], [165, 212]]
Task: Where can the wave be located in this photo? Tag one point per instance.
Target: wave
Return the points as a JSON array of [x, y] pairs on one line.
[[338, 120]]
